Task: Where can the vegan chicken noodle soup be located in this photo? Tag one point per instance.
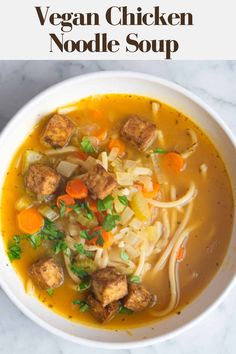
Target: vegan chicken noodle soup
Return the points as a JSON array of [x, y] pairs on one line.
[[116, 211]]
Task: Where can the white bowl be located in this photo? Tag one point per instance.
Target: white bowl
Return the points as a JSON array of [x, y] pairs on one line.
[[133, 83]]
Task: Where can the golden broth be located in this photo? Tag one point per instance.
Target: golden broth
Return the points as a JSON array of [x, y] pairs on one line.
[[213, 206]]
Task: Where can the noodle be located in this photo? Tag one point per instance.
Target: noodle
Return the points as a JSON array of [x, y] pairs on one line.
[[173, 278], [187, 153], [140, 266], [162, 260], [191, 193], [173, 223]]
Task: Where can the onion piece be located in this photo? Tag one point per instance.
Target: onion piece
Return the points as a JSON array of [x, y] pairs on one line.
[[64, 150], [48, 213], [143, 171], [126, 215], [66, 168], [30, 157], [23, 203], [124, 178], [113, 154], [104, 160], [155, 108]]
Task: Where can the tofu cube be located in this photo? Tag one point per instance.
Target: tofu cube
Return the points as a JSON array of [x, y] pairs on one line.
[[139, 132], [42, 179], [58, 131], [100, 182], [100, 313], [138, 298], [46, 273], [109, 285]]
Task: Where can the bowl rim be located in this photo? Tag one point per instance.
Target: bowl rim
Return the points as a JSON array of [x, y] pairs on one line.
[[189, 95]]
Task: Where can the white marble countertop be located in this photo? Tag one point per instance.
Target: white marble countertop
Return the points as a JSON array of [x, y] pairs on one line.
[[215, 82]]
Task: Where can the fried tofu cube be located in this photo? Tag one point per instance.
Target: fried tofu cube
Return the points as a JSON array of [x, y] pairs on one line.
[[46, 273], [58, 131], [100, 182], [42, 179], [138, 298], [100, 313], [109, 285], [139, 132]]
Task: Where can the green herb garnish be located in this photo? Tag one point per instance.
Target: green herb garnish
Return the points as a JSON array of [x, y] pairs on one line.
[[51, 231], [123, 200], [79, 247], [80, 272], [85, 285], [104, 204], [63, 208], [110, 221], [14, 249], [125, 310], [87, 146], [83, 306], [123, 255], [60, 246], [50, 291], [84, 234], [160, 151], [134, 279]]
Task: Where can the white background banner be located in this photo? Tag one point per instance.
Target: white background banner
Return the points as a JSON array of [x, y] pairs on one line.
[[176, 29]]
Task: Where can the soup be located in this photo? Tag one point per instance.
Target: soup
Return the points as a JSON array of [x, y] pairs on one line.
[[116, 211]]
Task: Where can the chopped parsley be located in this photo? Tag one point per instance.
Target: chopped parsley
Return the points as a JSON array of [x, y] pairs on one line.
[[36, 239], [79, 247], [51, 231], [50, 291], [123, 200], [80, 272], [134, 279], [123, 255], [125, 310], [83, 306], [87, 146], [84, 285], [104, 204], [60, 246], [84, 234], [160, 151], [110, 221], [63, 208], [14, 249]]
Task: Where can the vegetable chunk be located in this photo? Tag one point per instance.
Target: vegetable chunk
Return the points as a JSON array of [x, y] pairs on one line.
[[46, 273], [42, 179], [109, 285], [100, 313], [139, 298], [58, 131], [99, 182], [139, 132]]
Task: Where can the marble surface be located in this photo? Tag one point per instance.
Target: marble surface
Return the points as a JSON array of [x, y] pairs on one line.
[[215, 82]]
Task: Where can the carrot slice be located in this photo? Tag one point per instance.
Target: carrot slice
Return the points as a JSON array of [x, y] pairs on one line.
[[180, 254], [117, 143], [77, 189], [101, 134], [67, 200], [107, 237], [152, 194], [174, 161], [30, 221]]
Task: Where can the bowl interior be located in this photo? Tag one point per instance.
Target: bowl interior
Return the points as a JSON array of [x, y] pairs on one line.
[[73, 90]]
